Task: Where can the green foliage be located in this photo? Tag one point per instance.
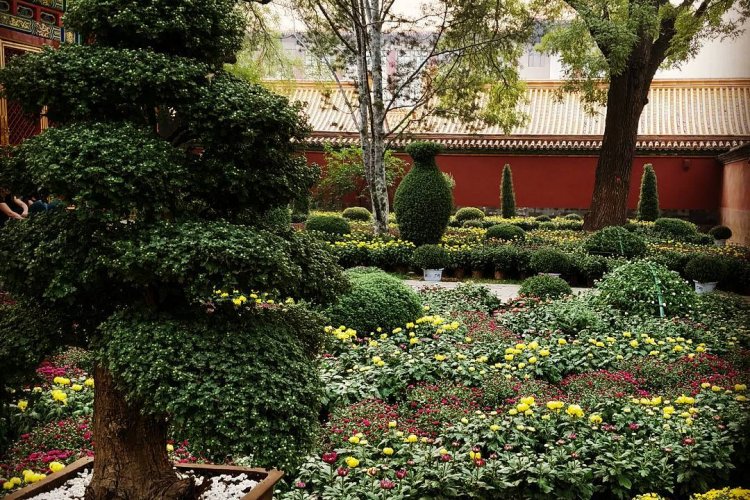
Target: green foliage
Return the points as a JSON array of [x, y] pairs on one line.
[[357, 213], [648, 203], [573, 217], [345, 174], [473, 223], [273, 418], [505, 232], [375, 300], [465, 298], [646, 288], [423, 201], [331, 224], [211, 31], [469, 213], [430, 257], [545, 287], [507, 194], [675, 228], [550, 260], [615, 241], [706, 269], [543, 218], [720, 232], [278, 218]]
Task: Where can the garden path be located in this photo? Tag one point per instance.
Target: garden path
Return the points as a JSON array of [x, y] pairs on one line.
[[504, 292]]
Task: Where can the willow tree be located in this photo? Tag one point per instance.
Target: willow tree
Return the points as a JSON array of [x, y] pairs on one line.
[[610, 52], [171, 166], [441, 57]]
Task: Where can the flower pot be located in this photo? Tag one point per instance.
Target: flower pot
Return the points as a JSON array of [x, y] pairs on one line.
[[707, 287], [433, 275], [556, 275], [499, 275], [267, 478], [460, 273], [720, 243], [477, 275], [402, 269]]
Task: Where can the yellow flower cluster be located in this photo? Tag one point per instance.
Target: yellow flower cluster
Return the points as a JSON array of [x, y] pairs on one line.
[[724, 494], [61, 381], [351, 241], [574, 411], [254, 297], [59, 395]]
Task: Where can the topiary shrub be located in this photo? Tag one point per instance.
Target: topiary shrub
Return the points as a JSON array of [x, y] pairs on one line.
[[423, 201], [278, 218], [648, 203], [545, 287], [675, 228], [507, 194], [573, 217], [547, 226], [430, 257], [645, 287], [505, 232], [549, 260], [473, 223], [469, 213], [543, 218], [376, 299], [706, 269], [615, 241], [330, 224], [720, 232], [357, 213]]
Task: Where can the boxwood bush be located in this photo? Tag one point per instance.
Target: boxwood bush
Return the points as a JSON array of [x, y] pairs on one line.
[[505, 232], [648, 288], [473, 223], [615, 241], [357, 213], [469, 213], [720, 232], [375, 299], [430, 257], [330, 224], [550, 260], [706, 269], [675, 228], [545, 287], [573, 217], [423, 201]]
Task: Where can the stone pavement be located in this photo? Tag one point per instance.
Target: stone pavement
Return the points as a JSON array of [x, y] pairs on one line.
[[503, 292]]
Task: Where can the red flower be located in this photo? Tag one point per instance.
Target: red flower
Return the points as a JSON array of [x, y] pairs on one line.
[[479, 462], [688, 441], [330, 457], [401, 473], [342, 471], [387, 484]]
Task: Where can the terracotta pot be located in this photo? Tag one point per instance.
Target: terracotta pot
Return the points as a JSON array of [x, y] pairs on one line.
[[499, 275], [476, 275], [402, 269], [267, 478], [459, 273]]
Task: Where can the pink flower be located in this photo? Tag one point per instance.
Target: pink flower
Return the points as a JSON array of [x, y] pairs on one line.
[[342, 471], [401, 473], [387, 484]]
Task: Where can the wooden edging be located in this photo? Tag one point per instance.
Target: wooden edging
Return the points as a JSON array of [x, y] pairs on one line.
[[267, 478]]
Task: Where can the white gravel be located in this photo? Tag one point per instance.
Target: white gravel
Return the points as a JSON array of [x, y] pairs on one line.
[[223, 487]]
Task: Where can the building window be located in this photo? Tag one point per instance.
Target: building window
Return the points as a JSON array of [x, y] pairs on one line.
[[23, 11], [48, 18], [4, 6]]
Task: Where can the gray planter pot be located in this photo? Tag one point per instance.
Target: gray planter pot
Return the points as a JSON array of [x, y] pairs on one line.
[[705, 287], [433, 275]]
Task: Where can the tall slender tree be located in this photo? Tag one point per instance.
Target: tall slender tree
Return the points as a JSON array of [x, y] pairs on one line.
[[507, 193], [611, 51], [648, 202], [440, 59], [172, 165]]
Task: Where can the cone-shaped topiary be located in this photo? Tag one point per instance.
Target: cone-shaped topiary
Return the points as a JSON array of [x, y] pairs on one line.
[[150, 267], [423, 201], [648, 204], [507, 194]]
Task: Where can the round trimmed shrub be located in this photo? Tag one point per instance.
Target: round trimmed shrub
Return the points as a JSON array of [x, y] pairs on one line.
[[423, 201], [617, 241], [375, 299], [640, 287], [543, 218], [720, 232], [675, 228], [469, 213], [331, 224], [547, 226], [549, 260], [430, 257], [505, 232], [279, 217], [545, 287], [473, 223], [357, 213], [706, 269], [573, 217]]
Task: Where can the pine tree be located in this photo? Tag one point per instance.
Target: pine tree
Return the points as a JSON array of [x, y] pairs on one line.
[[154, 266], [507, 194], [648, 203]]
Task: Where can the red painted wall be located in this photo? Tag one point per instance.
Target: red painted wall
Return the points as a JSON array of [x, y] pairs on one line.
[[684, 183], [735, 201]]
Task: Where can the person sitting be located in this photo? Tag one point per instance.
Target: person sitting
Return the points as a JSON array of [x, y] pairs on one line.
[[11, 207]]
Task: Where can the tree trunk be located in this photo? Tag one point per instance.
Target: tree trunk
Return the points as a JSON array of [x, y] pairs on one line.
[[625, 101], [131, 459]]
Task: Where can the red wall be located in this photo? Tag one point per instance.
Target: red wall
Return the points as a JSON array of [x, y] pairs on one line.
[[684, 183], [735, 202]]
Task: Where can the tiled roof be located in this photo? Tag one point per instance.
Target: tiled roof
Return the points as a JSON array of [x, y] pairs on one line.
[[681, 115]]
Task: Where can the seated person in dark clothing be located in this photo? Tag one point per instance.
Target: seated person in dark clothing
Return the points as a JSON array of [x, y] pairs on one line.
[[11, 207]]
